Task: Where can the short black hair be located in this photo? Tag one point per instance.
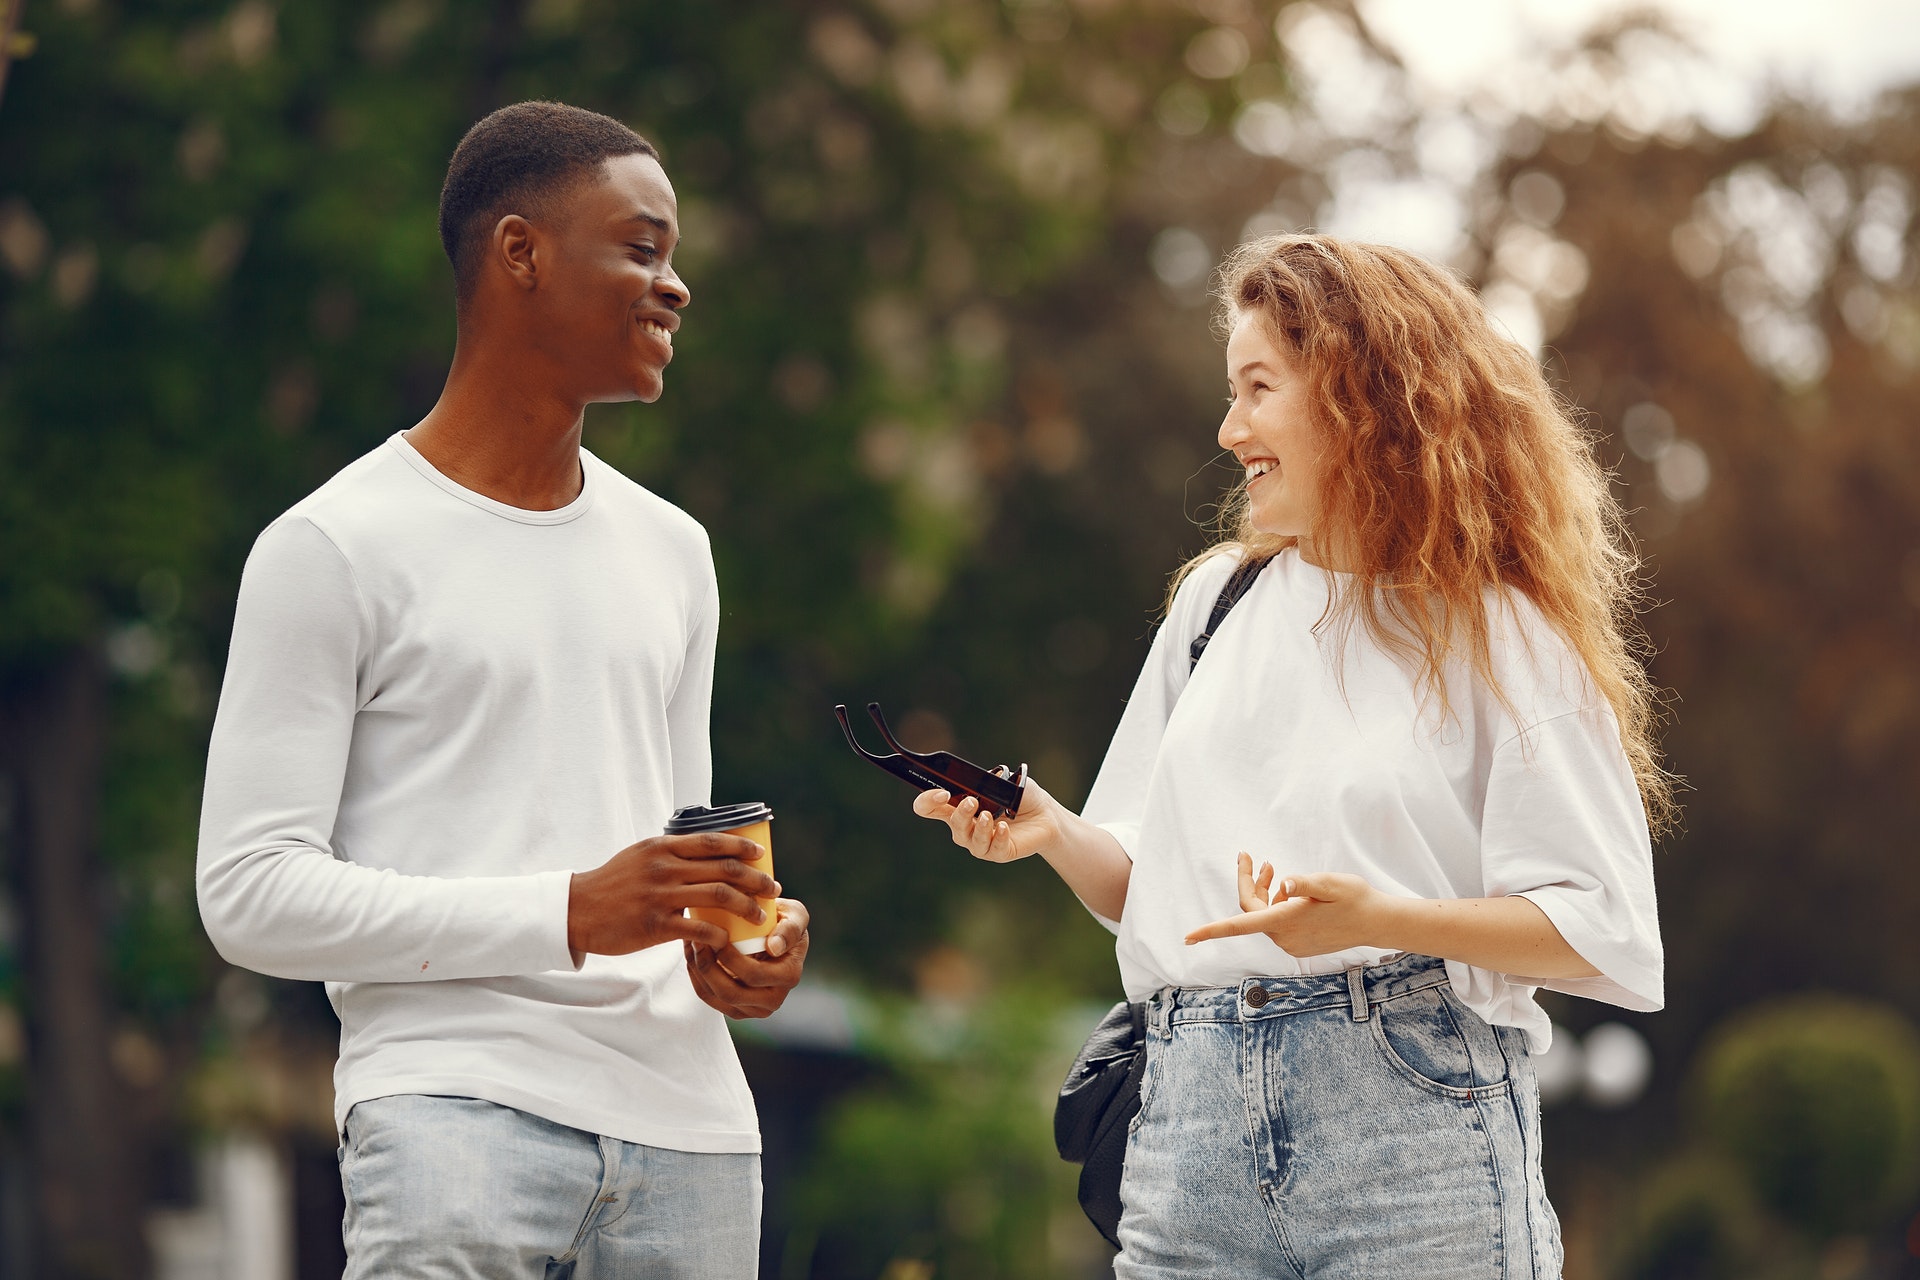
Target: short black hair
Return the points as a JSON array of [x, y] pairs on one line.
[[515, 161]]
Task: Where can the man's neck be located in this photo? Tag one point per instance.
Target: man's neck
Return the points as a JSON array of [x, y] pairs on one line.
[[499, 431]]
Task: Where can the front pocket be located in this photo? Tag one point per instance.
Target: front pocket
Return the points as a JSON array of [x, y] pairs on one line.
[[1153, 1047], [1424, 1037]]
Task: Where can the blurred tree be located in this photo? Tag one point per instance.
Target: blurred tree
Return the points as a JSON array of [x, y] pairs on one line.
[[950, 1164], [1745, 340], [1816, 1099], [1695, 1219]]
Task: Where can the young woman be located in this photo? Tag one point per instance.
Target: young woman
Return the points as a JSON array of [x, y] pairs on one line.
[[1425, 725]]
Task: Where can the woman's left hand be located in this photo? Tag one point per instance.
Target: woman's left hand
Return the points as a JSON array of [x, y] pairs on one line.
[[1310, 915]]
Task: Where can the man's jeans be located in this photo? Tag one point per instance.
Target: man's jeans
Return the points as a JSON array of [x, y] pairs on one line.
[[1354, 1126], [459, 1189]]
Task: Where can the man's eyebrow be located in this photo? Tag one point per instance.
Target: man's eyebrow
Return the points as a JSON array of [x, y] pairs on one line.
[[653, 220]]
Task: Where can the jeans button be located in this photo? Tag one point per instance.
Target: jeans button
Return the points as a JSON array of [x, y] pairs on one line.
[[1256, 996]]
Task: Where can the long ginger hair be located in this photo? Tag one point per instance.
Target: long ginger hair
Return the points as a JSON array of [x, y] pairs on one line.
[[1450, 467]]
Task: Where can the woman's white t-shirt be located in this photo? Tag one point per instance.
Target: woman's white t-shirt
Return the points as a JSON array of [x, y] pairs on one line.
[[1305, 744]]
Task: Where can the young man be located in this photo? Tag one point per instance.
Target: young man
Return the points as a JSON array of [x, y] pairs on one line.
[[468, 674]]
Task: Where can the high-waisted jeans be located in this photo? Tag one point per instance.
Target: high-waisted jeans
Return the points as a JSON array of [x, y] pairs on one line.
[[1357, 1126]]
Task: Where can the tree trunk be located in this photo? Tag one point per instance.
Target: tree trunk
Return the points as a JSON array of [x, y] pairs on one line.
[[87, 1163]]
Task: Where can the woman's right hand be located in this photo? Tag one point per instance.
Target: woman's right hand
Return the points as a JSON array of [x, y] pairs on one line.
[[1034, 829]]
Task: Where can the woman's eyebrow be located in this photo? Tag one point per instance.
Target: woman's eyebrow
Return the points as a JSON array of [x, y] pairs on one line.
[[1251, 366]]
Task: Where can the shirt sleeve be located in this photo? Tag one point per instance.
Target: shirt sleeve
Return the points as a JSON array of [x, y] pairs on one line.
[[1119, 795], [690, 711], [1564, 828], [273, 894]]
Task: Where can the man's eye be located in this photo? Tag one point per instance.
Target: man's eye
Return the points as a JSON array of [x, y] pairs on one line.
[[646, 251]]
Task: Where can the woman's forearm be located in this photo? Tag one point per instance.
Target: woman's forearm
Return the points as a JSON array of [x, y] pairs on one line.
[[1506, 935], [1091, 861]]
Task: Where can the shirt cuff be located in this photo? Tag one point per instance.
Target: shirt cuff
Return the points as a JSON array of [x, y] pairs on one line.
[[1629, 977], [551, 894]]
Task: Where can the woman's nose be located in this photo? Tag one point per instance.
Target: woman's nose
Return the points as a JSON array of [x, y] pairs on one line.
[[1233, 428]]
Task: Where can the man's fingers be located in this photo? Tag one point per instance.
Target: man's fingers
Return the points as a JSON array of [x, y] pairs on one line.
[[699, 932], [739, 997], [751, 881], [790, 928], [713, 844], [713, 894]]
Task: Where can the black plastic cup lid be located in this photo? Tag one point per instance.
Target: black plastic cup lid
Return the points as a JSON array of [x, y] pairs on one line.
[[724, 818]]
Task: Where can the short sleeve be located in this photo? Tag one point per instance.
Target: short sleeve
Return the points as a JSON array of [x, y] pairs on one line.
[[1564, 827], [1117, 802]]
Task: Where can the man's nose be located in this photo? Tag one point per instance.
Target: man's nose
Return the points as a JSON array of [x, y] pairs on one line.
[[672, 289]]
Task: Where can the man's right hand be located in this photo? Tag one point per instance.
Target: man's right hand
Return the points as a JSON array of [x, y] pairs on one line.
[[638, 897]]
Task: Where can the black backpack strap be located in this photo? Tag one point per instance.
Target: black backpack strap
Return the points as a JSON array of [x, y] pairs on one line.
[[1238, 585]]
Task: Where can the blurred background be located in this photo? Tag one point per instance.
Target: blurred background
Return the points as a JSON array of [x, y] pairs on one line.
[[946, 403]]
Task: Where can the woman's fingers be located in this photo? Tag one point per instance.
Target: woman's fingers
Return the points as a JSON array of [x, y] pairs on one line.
[[1237, 926], [1250, 899], [1263, 883], [933, 804]]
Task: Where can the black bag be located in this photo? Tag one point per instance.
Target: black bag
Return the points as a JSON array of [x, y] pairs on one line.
[[1101, 1095], [1096, 1108]]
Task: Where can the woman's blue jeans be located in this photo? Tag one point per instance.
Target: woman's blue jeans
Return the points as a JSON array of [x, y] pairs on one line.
[[1352, 1126]]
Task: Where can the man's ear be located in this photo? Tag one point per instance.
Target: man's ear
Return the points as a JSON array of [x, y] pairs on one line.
[[515, 247]]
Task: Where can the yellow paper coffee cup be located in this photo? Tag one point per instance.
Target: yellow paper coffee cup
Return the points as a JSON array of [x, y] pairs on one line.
[[753, 822]]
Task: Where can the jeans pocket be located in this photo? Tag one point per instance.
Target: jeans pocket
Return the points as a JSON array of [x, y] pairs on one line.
[[1153, 1047], [1439, 1044]]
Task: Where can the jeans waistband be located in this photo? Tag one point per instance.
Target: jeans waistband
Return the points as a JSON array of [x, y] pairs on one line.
[[1357, 989]]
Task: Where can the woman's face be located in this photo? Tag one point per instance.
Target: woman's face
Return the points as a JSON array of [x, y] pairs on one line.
[[1269, 429]]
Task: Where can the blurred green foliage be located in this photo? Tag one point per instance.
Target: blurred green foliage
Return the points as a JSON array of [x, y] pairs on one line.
[[950, 1161], [1807, 1119], [1816, 1099]]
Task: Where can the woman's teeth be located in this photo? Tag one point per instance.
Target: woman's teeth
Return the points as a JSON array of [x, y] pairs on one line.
[[658, 330], [1259, 468]]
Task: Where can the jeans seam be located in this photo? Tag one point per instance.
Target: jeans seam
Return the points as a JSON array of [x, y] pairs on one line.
[[1269, 1197], [1528, 1152], [592, 1216], [1499, 1187]]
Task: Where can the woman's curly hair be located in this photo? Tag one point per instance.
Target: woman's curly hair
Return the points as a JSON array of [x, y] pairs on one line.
[[1451, 468]]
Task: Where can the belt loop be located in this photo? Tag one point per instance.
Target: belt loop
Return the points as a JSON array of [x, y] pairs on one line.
[[1357, 992]]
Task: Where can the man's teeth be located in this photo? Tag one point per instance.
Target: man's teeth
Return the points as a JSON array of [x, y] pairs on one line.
[[658, 330], [1257, 469]]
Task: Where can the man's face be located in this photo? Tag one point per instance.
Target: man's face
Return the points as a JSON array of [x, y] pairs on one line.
[[610, 300]]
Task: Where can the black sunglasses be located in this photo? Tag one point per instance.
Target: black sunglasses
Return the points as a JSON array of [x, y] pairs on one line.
[[999, 791]]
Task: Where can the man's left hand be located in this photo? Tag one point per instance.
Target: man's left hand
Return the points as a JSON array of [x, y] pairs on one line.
[[753, 986]]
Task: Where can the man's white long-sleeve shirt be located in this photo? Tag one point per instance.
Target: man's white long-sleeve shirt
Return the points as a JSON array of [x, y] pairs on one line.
[[437, 707]]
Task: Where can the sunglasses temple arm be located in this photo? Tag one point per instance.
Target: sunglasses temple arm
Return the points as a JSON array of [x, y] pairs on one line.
[[846, 727], [886, 734]]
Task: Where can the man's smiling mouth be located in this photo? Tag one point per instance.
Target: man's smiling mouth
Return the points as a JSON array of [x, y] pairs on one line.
[[658, 330]]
